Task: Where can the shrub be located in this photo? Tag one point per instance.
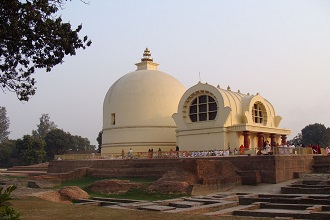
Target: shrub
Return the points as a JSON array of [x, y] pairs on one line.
[[7, 212]]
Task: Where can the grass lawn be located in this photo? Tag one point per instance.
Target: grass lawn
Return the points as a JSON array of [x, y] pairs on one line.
[[36, 209], [139, 194], [14, 177], [82, 182], [32, 208]]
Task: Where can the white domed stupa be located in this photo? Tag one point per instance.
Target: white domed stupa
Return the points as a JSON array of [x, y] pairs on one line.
[[138, 109]]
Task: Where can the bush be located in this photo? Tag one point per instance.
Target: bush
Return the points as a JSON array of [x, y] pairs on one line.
[[7, 212]]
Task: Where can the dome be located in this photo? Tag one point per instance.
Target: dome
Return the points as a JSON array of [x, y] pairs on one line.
[[138, 107], [143, 98]]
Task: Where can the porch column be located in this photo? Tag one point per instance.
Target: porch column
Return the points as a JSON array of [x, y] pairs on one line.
[[272, 140], [246, 135], [260, 141], [283, 138]]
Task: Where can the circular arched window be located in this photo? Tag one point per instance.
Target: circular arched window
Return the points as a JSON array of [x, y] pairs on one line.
[[259, 113], [203, 108]]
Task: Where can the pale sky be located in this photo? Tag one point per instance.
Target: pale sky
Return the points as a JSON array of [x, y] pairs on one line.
[[279, 48]]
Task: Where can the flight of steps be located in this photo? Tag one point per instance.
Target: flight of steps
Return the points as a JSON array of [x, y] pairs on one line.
[[321, 164], [32, 170]]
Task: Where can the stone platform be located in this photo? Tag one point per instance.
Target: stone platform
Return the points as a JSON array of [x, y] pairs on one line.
[[236, 204], [259, 201], [253, 169]]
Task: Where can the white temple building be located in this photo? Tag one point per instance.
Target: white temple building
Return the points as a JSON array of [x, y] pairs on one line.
[[138, 109], [209, 117], [148, 108]]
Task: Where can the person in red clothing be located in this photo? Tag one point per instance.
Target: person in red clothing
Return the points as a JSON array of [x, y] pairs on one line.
[[241, 149], [318, 149], [122, 153], [313, 148]]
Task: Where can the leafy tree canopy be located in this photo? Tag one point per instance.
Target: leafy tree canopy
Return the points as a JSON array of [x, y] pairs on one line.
[[80, 144], [316, 134], [31, 150], [33, 36], [4, 124], [297, 140], [7, 149], [44, 126], [57, 142]]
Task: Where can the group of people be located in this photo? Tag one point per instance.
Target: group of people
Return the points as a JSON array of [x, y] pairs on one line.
[[207, 153], [170, 154], [177, 153], [286, 148], [282, 149], [129, 154], [316, 148]]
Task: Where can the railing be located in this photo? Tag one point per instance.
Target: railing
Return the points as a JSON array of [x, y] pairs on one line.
[[118, 156], [288, 151], [295, 151], [185, 154]]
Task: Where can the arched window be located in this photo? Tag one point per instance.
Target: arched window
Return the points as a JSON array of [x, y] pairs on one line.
[[203, 108], [259, 113], [113, 118]]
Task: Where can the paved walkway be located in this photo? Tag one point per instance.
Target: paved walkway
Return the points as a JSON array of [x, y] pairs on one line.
[[261, 188]]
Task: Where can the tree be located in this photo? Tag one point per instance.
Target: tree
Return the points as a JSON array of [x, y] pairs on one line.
[[316, 134], [44, 126], [8, 157], [4, 124], [99, 141], [297, 140], [31, 150], [33, 36], [80, 144], [57, 142]]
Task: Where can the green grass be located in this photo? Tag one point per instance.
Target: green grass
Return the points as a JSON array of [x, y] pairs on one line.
[[14, 177], [138, 194], [81, 183], [33, 208]]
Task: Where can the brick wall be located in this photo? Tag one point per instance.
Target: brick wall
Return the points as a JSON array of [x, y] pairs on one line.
[[273, 169]]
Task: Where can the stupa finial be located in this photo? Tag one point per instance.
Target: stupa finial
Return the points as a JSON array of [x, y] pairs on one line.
[[146, 62], [147, 55]]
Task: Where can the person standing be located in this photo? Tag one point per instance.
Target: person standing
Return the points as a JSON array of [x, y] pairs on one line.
[[267, 148], [171, 153], [159, 153], [241, 149], [122, 154], [130, 153], [177, 150]]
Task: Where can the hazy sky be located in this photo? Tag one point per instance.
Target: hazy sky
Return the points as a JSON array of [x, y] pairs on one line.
[[280, 49]]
